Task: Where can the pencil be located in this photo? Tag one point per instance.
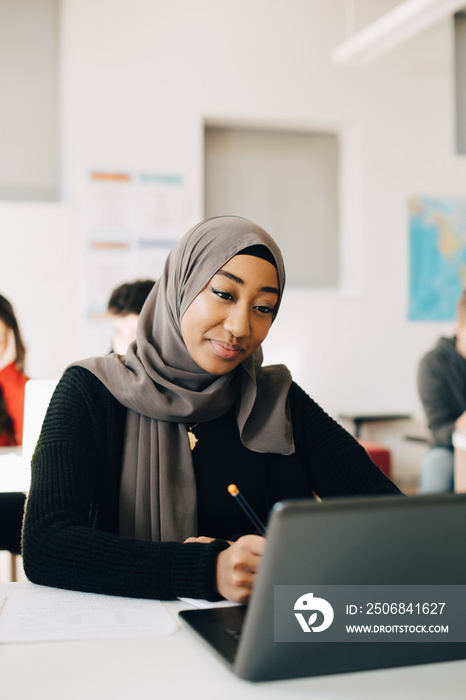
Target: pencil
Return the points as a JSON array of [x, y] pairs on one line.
[[234, 491]]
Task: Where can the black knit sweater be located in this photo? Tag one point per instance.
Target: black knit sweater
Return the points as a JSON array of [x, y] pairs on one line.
[[70, 534]]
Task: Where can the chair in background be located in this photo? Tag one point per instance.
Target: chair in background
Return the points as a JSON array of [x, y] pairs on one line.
[[379, 454], [11, 520]]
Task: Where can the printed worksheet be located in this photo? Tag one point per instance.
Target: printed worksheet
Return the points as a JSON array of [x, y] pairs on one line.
[[31, 613]]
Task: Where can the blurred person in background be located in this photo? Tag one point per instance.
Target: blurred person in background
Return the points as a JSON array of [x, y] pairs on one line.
[[442, 390], [12, 383], [12, 377], [125, 304]]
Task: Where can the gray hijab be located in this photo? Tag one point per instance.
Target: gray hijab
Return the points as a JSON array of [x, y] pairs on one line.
[[165, 391]]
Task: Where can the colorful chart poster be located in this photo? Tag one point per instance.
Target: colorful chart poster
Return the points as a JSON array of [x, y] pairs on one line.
[[134, 219]]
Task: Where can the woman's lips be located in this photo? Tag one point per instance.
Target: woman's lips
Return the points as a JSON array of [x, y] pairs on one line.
[[224, 350]]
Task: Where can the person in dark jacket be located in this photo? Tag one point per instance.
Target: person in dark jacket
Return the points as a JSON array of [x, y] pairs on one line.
[[442, 389]]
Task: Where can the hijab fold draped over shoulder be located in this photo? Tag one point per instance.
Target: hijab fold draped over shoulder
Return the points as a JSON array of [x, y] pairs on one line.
[[165, 390]]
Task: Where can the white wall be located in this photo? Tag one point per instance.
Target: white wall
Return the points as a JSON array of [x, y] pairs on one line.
[[139, 78], [28, 87]]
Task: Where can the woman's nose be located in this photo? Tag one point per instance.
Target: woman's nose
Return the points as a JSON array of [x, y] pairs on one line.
[[237, 323]]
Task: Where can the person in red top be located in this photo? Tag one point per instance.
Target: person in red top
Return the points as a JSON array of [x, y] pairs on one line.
[[12, 377], [12, 382]]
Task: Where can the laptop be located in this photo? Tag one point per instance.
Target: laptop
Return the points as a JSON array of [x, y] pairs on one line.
[[347, 552]]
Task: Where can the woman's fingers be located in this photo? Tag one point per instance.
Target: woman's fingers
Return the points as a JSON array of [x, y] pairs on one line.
[[237, 568]]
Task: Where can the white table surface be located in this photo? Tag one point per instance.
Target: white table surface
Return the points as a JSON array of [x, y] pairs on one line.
[[15, 473], [180, 666]]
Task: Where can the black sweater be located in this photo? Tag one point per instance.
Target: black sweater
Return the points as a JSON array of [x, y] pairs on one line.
[[70, 534]]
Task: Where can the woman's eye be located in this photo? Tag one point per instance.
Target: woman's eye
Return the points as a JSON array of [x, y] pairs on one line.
[[222, 295], [265, 309]]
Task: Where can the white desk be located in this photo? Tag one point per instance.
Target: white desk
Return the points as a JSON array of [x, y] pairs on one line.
[[180, 666], [15, 473]]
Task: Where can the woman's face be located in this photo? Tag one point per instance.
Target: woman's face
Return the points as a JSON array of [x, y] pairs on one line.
[[229, 319], [3, 337]]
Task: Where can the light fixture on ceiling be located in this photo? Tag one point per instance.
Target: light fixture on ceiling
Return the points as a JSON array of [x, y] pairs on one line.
[[393, 28]]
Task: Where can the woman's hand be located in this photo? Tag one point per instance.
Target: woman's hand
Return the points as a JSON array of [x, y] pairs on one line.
[[237, 567], [204, 540]]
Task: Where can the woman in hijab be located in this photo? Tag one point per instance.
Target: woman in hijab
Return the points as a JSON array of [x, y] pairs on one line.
[[130, 475]]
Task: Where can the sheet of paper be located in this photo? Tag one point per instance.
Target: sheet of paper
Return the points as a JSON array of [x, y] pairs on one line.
[[202, 604], [33, 613]]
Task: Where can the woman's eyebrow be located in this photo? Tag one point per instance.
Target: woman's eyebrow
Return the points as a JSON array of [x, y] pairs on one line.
[[238, 280]]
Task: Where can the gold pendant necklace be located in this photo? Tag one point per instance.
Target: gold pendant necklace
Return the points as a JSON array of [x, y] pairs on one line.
[[192, 438]]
